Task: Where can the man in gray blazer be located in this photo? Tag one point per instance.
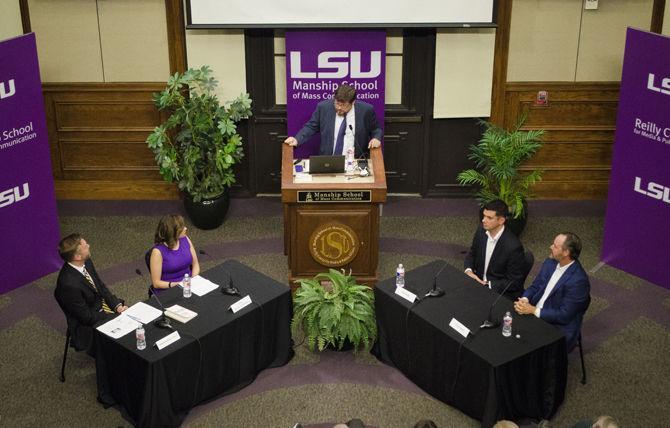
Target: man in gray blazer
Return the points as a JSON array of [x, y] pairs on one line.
[[335, 118]]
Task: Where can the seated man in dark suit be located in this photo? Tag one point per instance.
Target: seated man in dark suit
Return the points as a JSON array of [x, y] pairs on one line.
[[560, 292], [334, 119], [495, 259], [81, 293]]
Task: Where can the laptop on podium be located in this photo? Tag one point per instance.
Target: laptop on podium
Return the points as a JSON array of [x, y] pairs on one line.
[[326, 164]]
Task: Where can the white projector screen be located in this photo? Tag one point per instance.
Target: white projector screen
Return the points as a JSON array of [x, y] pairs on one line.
[[320, 13]]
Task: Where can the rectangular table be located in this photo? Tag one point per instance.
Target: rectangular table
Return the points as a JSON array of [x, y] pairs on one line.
[[487, 376], [219, 352]]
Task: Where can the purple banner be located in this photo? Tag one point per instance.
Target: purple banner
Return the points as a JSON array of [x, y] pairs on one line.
[[317, 62], [636, 234], [28, 215]]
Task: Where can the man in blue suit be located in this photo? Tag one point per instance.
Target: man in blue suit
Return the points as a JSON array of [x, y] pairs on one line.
[[334, 119], [560, 292]]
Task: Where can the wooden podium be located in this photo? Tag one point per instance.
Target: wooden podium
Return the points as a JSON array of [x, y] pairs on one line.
[[332, 221]]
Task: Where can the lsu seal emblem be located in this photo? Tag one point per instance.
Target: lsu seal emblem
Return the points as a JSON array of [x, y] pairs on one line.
[[333, 245]]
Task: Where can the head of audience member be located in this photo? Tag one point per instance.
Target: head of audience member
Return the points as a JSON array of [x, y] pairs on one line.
[[605, 422], [74, 249], [505, 424], [566, 247], [425, 423], [494, 216], [344, 98], [170, 228]]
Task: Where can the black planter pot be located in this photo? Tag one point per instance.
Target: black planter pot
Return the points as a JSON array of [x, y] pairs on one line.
[[516, 225], [208, 213]]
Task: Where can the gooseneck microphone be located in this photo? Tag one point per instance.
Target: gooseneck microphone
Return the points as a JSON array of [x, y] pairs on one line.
[[437, 291], [229, 289], [489, 323], [163, 321]]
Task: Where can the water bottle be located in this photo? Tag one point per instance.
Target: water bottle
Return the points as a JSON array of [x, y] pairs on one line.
[[141, 339], [507, 325], [186, 285], [350, 160], [400, 276]]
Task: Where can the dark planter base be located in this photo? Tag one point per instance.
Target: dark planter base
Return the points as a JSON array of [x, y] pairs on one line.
[[346, 346], [208, 213]]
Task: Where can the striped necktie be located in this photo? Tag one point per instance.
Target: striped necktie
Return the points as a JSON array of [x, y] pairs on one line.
[[105, 306]]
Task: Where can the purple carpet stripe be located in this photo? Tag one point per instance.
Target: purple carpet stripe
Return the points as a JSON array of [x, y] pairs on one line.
[[333, 368]]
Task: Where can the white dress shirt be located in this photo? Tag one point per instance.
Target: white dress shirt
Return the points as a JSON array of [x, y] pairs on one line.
[[555, 277], [349, 132], [490, 246]]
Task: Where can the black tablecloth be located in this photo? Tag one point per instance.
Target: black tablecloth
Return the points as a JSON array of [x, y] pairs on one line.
[[487, 376], [158, 388]]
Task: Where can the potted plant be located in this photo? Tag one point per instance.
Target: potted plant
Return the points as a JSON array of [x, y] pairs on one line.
[[339, 313], [497, 157], [198, 145]]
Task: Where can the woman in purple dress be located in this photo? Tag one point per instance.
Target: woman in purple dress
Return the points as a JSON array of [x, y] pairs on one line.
[[173, 254]]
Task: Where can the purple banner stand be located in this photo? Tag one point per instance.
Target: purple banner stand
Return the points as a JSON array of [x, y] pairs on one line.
[[28, 215], [317, 62], [638, 203]]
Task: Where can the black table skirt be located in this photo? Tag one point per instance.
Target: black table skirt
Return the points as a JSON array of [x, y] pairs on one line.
[[219, 352], [487, 376]]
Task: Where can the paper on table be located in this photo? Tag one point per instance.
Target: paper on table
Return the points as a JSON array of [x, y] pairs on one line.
[[142, 312], [118, 327], [201, 286], [303, 178], [180, 313]]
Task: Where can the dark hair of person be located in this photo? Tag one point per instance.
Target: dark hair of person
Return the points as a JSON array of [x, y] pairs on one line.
[[68, 246], [345, 94], [498, 206], [425, 423], [168, 230], [573, 244]]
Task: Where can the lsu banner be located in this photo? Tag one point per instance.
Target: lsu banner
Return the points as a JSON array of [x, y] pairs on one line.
[[27, 203], [638, 203], [317, 62]]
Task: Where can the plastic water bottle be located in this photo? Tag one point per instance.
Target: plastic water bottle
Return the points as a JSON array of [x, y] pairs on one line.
[[186, 285], [400, 276], [507, 325], [141, 338], [350, 160]]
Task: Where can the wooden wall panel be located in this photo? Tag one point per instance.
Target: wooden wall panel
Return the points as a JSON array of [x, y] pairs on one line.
[[580, 121], [97, 135]]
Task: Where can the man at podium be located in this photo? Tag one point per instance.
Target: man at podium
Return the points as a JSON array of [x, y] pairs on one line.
[[339, 120]]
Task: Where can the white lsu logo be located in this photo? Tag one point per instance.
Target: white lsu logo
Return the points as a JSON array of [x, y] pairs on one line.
[[13, 195], [664, 88], [3, 91], [341, 62], [654, 190]]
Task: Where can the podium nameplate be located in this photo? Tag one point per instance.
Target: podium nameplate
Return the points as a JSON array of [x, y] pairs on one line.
[[325, 196]]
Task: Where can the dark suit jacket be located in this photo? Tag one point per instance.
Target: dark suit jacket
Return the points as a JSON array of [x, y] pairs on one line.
[[567, 302], [81, 303], [323, 122], [506, 262]]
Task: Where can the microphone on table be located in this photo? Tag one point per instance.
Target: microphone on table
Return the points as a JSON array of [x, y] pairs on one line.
[[163, 321], [229, 289], [489, 323], [437, 291]]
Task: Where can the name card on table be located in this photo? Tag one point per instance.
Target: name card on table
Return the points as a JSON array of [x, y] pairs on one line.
[[241, 304], [170, 338], [405, 294], [459, 327]]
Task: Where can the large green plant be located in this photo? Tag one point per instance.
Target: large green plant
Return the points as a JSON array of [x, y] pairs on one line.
[[497, 157], [198, 145], [333, 315]]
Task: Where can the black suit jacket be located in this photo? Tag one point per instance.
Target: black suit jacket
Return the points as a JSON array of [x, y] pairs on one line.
[[82, 305], [506, 262], [323, 122]]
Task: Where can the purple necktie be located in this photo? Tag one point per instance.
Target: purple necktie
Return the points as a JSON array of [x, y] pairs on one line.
[[339, 143]]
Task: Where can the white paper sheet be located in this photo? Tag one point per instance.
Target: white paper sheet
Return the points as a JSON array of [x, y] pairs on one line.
[[142, 312], [118, 327], [201, 286]]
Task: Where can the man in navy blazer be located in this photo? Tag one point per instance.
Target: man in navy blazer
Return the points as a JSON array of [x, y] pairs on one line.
[[495, 259], [340, 116], [560, 294]]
